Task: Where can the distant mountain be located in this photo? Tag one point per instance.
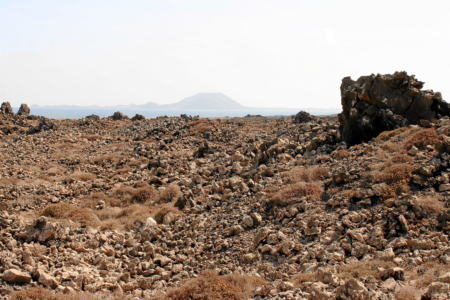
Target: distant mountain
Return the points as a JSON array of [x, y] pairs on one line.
[[202, 101], [206, 101]]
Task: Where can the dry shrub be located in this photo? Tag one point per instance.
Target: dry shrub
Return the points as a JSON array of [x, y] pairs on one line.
[[210, 286], [285, 196], [303, 277], [141, 193], [362, 269], [40, 293], [120, 171], [408, 292], [68, 211], [84, 176], [426, 273], [115, 218], [396, 173], [170, 193], [430, 204], [401, 159], [386, 135], [340, 154], [390, 147], [159, 216], [423, 138], [298, 174], [102, 160]]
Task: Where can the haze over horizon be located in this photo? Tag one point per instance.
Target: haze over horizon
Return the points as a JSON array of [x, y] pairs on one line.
[[259, 53]]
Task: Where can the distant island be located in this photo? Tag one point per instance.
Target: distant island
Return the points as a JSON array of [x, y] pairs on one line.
[[201, 101]]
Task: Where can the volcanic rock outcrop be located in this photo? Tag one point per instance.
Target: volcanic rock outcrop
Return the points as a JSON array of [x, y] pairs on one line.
[[302, 117], [375, 103], [24, 110], [6, 108]]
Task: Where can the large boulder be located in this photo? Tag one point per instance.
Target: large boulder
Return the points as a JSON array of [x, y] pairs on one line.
[[117, 116], [6, 108], [302, 117], [376, 103], [24, 110]]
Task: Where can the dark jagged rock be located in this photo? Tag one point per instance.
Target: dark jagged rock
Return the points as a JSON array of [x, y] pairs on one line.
[[93, 117], [377, 103], [24, 110], [118, 116], [138, 117], [302, 117], [6, 108], [44, 125]]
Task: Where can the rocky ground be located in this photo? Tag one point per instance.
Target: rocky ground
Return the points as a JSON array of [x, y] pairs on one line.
[[243, 208]]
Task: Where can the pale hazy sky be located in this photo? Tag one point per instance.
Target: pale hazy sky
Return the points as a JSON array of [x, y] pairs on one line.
[[260, 53]]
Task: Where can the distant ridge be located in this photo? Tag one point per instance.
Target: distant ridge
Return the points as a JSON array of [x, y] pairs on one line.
[[200, 101]]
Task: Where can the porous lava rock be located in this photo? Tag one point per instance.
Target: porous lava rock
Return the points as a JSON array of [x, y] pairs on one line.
[[376, 103], [6, 108], [24, 110], [93, 117], [117, 116], [138, 117], [302, 117]]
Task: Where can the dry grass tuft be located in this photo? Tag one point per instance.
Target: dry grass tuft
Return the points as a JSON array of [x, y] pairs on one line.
[[170, 193], [84, 176], [430, 204], [362, 269], [210, 286], [159, 216], [68, 211], [423, 138], [396, 173], [40, 293], [390, 146], [287, 195], [115, 218], [306, 174], [340, 154], [408, 292]]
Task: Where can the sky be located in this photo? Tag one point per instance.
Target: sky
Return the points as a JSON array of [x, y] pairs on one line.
[[260, 53]]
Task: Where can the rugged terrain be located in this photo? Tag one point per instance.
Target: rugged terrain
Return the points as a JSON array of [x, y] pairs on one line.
[[243, 208]]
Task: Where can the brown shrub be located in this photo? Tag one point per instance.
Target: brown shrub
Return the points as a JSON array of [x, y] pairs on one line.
[[144, 195], [340, 154], [141, 193], [390, 147], [84, 176], [115, 218], [40, 293], [286, 195], [401, 159], [426, 273], [386, 135], [210, 286], [159, 216], [362, 269], [408, 292], [396, 173], [170, 193], [303, 277], [298, 174], [68, 211], [430, 204], [423, 138]]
